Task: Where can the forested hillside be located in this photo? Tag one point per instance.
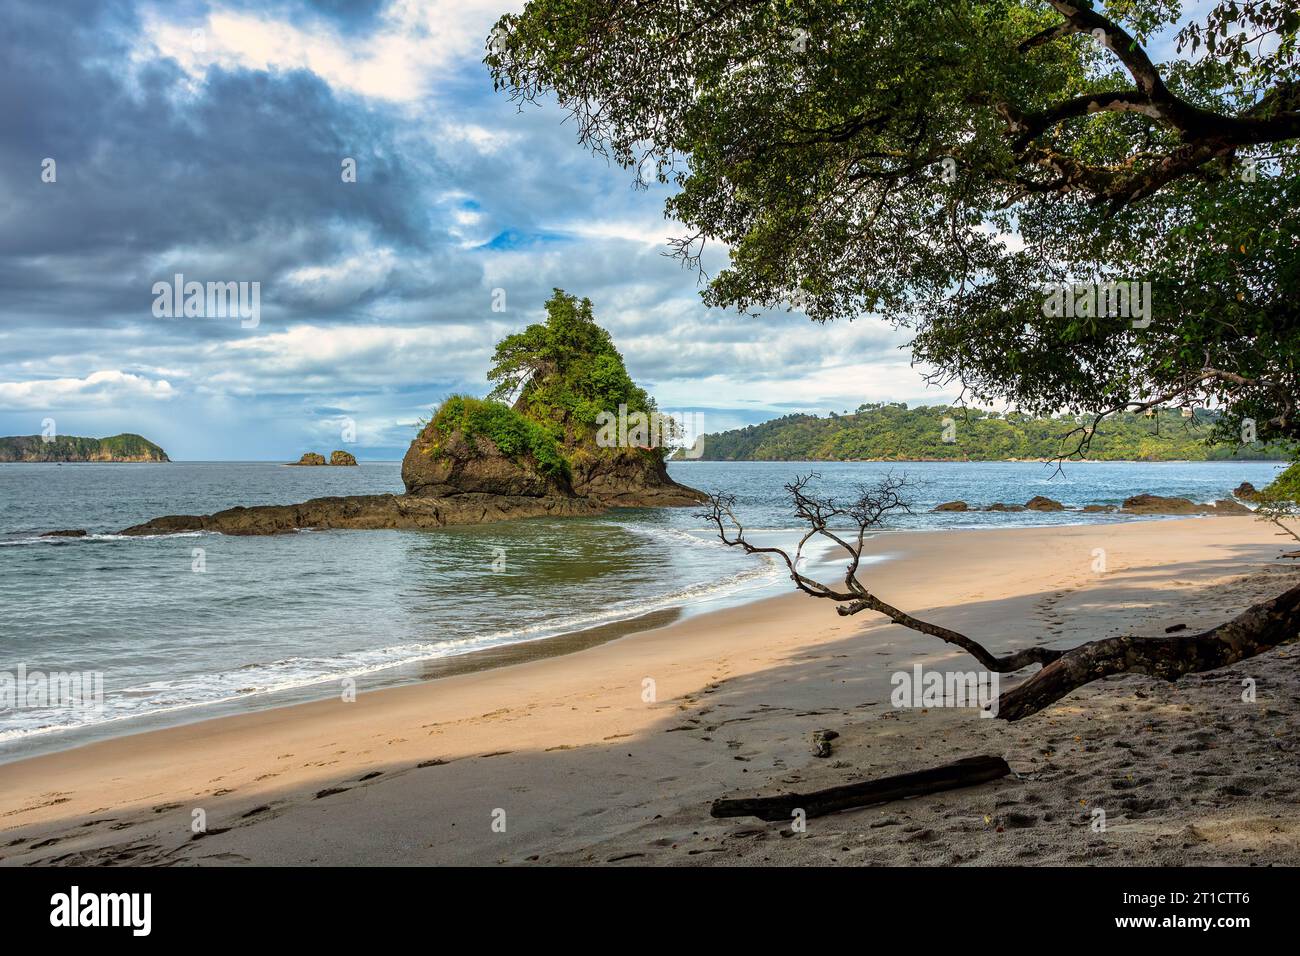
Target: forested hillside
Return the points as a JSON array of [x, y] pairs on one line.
[[895, 432]]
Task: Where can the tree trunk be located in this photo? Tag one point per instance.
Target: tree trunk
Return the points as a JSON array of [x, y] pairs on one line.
[[963, 773], [1257, 629]]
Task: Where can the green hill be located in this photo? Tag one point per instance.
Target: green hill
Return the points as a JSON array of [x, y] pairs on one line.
[[894, 432], [125, 447]]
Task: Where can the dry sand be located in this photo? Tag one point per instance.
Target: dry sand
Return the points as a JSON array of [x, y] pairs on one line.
[[583, 769]]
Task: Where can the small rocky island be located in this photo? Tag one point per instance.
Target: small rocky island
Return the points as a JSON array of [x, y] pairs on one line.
[[534, 447], [125, 447], [336, 458]]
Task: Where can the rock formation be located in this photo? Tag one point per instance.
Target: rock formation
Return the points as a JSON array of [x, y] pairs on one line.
[[551, 452], [310, 458], [1160, 505], [342, 458], [1042, 503]]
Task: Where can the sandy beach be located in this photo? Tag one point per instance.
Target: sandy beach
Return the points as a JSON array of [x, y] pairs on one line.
[[613, 753]]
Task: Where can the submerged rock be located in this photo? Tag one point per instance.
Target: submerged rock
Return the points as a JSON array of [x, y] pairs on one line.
[[69, 533], [1097, 509], [999, 506], [952, 506], [369, 512]]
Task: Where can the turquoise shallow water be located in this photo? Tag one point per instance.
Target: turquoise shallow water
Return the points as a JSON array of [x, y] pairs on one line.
[[185, 626]]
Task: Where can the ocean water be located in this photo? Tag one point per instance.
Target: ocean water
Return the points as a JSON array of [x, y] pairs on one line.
[[183, 627]]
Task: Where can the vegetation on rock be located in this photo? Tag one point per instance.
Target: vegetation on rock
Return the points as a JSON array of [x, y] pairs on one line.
[[124, 447], [546, 426], [565, 372], [514, 435]]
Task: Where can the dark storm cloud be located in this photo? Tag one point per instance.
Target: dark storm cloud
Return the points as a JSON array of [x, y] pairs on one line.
[[375, 296], [237, 179]]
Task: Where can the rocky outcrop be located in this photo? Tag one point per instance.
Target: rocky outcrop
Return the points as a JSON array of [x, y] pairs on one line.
[[1246, 491], [313, 459], [999, 506], [369, 512], [1042, 503], [952, 506], [454, 465], [1159, 504], [479, 460], [629, 478], [613, 478], [1098, 509]]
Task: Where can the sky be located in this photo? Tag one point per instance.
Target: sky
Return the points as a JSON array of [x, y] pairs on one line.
[[209, 140]]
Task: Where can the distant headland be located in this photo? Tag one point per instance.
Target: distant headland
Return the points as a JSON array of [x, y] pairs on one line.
[[126, 447], [890, 431]]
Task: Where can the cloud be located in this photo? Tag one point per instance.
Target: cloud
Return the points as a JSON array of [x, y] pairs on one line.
[[396, 57], [99, 389], [224, 163]]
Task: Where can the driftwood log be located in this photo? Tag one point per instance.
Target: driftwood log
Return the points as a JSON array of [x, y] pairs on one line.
[[1257, 629], [963, 773]]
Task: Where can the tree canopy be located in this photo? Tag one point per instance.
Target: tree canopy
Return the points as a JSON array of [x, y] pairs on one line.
[[942, 163], [565, 371]]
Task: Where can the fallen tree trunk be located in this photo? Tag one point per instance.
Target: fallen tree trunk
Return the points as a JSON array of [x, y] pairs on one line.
[[963, 773], [1257, 629]]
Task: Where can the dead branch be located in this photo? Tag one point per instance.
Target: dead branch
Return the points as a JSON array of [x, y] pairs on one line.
[[1259, 628], [966, 772]]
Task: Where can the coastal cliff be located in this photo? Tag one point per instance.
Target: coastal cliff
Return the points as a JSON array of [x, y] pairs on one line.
[[125, 447], [548, 453]]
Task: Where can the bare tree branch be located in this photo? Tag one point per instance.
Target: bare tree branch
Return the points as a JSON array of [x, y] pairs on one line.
[[867, 511], [1254, 631]]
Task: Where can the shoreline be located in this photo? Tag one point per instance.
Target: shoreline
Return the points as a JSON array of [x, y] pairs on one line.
[[431, 669], [57, 740], [587, 769]]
